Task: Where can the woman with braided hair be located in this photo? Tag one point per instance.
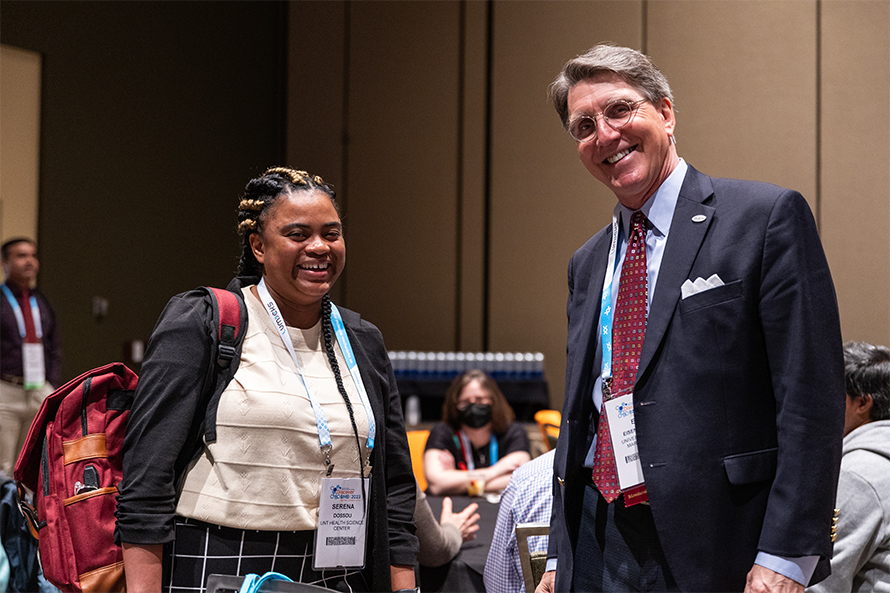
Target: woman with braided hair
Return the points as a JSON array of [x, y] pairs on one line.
[[309, 473]]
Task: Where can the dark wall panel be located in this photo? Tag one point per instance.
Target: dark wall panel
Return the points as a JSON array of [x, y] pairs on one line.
[[154, 116]]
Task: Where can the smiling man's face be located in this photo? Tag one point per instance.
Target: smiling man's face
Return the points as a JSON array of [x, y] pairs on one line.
[[634, 160]]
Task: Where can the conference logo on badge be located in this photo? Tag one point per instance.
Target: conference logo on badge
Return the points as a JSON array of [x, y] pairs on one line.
[[625, 409], [340, 493]]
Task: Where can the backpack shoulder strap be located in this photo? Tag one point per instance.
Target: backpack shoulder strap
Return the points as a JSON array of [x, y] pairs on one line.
[[229, 308], [229, 314]]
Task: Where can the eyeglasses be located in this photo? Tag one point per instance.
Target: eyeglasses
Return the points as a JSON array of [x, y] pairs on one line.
[[463, 405], [617, 115]]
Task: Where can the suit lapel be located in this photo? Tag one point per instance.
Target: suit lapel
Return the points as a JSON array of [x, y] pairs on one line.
[[684, 241]]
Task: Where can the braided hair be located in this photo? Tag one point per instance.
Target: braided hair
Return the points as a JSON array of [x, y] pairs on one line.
[[327, 330], [260, 196]]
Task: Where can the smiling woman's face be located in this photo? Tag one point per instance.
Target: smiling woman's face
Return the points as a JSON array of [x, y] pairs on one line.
[[301, 248]]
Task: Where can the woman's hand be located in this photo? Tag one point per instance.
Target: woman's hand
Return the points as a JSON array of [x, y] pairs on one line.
[[466, 521]]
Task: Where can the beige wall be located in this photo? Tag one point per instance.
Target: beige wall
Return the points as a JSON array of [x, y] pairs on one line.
[[763, 91], [19, 141], [855, 163], [544, 202]]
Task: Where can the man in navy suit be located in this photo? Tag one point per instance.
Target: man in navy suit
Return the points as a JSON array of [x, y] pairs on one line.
[[726, 440]]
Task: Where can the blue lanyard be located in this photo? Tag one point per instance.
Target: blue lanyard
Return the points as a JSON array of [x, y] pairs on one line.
[[352, 365], [324, 433], [20, 318], [606, 302]]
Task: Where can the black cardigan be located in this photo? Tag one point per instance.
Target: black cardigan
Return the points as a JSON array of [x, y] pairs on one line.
[[168, 415]]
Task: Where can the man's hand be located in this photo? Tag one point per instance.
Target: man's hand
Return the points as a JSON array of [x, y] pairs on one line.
[[547, 582], [466, 521], [764, 580]]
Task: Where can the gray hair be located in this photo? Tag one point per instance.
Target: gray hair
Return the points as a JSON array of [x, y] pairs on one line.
[[634, 67], [867, 372]]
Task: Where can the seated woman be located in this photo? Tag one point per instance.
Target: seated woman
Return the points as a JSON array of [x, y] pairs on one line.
[[477, 445]]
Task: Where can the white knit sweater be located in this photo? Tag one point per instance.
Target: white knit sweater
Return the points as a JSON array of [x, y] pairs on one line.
[[264, 470]]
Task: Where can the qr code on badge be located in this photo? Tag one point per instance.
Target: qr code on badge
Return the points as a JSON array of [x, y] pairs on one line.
[[340, 541]]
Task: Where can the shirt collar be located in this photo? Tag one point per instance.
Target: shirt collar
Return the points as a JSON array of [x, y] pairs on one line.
[[659, 209]]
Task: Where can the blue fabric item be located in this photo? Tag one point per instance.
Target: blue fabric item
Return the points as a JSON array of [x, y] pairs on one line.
[[252, 582], [18, 543], [4, 569]]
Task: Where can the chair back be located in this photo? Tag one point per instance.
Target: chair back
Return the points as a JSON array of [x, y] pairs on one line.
[[417, 443], [533, 563], [549, 421]]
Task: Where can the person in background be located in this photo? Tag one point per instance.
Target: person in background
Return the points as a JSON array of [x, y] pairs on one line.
[[861, 560], [477, 445], [528, 498], [30, 353], [440, 540], [313, 403]]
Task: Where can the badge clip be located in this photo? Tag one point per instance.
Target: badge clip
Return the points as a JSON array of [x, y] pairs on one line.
[[327, 460]]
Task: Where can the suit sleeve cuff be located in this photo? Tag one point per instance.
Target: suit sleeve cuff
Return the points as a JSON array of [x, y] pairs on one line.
[[798, 569]]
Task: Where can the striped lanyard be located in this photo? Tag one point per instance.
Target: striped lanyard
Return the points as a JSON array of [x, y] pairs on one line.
[[466, 449]]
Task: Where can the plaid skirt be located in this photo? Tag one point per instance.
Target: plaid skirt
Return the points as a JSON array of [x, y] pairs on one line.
[[201, 549]]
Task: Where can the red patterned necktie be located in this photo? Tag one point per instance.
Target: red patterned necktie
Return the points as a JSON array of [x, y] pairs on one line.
[[628, 331]]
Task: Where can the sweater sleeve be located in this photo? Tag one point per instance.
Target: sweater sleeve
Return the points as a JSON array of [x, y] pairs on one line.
[[165, 421], [438, 543], [860, 520]]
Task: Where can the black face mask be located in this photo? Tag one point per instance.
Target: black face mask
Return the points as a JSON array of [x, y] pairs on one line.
[[476, 415]]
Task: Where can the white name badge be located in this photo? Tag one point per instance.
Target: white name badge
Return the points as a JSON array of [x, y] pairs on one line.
[[34, 368], [342, 524], [620, 412]]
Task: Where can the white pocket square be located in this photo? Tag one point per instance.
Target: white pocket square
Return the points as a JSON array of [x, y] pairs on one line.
[[690, 288]]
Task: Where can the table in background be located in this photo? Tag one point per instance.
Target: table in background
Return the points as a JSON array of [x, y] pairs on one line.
[[464, 572]]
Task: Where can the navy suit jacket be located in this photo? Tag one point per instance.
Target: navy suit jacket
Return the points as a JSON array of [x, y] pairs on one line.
[[739, 399]]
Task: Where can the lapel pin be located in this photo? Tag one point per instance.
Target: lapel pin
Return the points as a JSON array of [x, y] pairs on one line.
[[699, 218]]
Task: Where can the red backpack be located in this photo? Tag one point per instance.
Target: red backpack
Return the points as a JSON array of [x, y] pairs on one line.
[[73, 460]]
